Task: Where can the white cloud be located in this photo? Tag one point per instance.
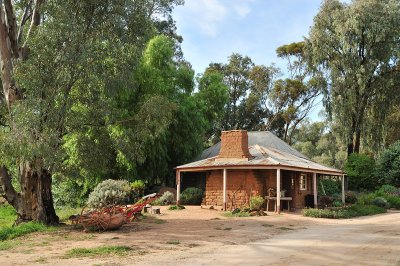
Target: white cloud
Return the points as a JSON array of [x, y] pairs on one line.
[[242, 7], [207, 14]]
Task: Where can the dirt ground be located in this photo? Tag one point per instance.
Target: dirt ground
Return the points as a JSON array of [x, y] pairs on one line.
[[196, 236]]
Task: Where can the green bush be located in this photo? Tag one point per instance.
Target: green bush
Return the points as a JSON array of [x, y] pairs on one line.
[[166, 199], [325, 201], [388, 165], [329, 186], [394, 201], [109, 192], [350, 197], [361, 171], [388, 190], [138, 187], [366, 199], [344, 213], [256, 202], [380, 202], [192, 195], [176, 207], [337, 204]]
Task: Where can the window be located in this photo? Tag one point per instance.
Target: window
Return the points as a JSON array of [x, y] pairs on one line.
[[303, 182]]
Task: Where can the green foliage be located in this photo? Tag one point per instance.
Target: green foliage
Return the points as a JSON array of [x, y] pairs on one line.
[[345, 43], [337, 204], [11, 232], [325, 201], [176, 207], [138, 187], [165, 199], [380, 202], [388, 165], [256, 202], [192, 196], [350, 197], [329, 186], [344, 213], [388, 193], [109, 192], [98, 251], [360, 170], [7, 215]]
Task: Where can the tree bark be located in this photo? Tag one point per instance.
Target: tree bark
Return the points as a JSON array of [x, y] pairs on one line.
[[35, 201]]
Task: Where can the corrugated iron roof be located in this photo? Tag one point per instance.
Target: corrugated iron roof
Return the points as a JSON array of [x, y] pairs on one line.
[[266, 150]]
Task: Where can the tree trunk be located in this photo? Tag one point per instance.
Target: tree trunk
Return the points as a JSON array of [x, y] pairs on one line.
[[35, 201], [357, 141]]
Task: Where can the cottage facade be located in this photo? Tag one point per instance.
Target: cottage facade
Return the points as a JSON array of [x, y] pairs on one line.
[[246, 164]]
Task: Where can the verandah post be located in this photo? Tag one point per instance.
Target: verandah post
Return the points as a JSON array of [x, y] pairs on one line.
[[343, 195], [315, 190], [224, 189], [278, 190], [178, 187]]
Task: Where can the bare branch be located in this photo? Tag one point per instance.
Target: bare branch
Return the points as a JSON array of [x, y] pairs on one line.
[[27, 14], [35, 20]]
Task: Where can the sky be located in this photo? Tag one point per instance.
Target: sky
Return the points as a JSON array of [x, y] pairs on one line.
[[214, 29]]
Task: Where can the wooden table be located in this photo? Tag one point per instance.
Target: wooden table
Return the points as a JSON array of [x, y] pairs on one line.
[[288, 199]]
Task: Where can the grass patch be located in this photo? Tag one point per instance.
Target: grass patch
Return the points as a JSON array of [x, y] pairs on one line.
[[173, 242], [238, 214], [7, 215], [8, 244], [65, 212], [344, 213], [176, 207], [98, 251], [227, 228], [7, 233]]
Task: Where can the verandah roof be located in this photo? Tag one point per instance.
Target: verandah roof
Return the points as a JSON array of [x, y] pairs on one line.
[[277, 154]]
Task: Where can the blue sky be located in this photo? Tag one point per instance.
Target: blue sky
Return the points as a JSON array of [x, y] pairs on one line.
[[214, 29]]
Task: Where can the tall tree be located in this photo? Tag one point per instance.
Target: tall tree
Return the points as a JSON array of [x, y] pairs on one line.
[[356, 46], [60, 78], [293, 98]]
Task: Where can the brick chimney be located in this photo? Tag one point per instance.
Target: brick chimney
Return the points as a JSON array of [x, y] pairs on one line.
[[234, 145]]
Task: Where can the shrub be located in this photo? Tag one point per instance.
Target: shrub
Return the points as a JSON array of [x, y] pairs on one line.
[[366, 199], [380, 202], [337, 203], [138, 187], [350, 197], [388, 190], [109, 192], [192, 195], [394, 201], [361, 172], [256, 202], [388, 165], [166, 199], [176, 207], [344, 213], [330, 187], [325, 201]]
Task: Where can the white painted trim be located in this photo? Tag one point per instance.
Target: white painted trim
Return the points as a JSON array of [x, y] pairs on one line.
[[278, 190], [224, 188], [315, 190], [343, 194], [178, 187]]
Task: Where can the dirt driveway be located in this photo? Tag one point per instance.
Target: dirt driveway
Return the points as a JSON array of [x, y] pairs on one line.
[[201, 237]]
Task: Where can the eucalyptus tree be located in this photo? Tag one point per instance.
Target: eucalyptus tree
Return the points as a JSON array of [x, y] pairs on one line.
[[294, 97], [356, 45], [64, 67]]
